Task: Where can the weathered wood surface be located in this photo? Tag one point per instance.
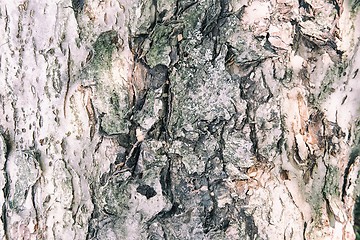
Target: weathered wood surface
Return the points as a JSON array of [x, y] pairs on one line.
[[179, 119]]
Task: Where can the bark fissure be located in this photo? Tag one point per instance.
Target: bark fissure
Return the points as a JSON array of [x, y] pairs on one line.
[[6, 188]]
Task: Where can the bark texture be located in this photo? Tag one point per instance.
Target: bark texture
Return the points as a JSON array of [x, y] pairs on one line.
[[179, 119]]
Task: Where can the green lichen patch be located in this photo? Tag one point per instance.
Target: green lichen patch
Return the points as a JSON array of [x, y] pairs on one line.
[[331, 186], [354, 4], [324, 192], [332, 75], [116, 197], [101, 57], [28, 172], [160, 49], [112, 105], [104, 46], [110, 92]]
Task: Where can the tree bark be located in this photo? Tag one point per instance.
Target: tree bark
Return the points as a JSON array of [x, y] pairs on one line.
[[179, 119]]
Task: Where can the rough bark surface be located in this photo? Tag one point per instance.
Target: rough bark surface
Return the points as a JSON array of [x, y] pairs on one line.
[[179, 119]]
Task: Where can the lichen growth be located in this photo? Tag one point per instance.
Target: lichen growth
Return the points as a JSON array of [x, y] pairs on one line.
[[103, 48], [111, 94], [331, 186], [159, 51], [333, 73]]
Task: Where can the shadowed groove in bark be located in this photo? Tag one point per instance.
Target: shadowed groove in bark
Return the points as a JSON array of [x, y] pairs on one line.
[[357, 218], [355, 152], [6, 188]]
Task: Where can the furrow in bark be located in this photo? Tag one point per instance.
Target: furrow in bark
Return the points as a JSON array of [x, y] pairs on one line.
[[6, 189]]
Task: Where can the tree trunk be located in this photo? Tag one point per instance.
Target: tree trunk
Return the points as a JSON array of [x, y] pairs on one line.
[[179, 119]]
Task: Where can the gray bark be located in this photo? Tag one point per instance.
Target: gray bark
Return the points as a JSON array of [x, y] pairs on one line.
[[179, 119]]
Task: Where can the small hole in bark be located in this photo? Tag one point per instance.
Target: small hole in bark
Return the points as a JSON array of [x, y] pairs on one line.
[[284, 174], [146, 191]]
